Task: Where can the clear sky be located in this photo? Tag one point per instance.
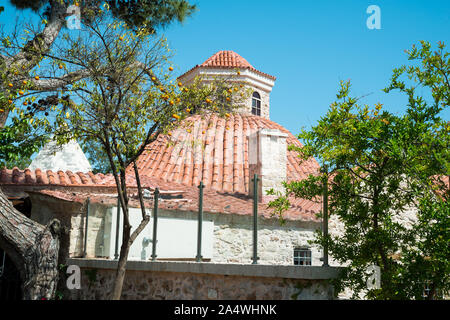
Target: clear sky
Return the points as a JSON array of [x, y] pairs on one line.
[[310, 46]]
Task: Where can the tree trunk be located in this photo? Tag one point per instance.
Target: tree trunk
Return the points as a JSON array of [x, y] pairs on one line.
[[121, 268], [33, 248]]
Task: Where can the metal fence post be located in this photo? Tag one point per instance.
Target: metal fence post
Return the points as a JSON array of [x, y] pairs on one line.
[[255, 219], [200, 222], [116, 250], [86, 229], [155, 223], [325, 217]]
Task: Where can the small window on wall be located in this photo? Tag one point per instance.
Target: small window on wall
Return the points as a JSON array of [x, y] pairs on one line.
[[256, 104], [302, 257]]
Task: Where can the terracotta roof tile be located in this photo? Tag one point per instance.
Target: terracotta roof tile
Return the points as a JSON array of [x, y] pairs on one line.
[[227, 60], [213, 202], [16, 176], [218, 157], [222, 163]]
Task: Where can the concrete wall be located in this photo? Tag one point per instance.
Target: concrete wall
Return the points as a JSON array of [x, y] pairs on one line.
[[267, 158], [204, 281], [227, 238], [71, 216], [232, 235]]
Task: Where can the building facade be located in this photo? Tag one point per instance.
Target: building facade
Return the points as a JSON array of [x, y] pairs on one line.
[[222, 153]]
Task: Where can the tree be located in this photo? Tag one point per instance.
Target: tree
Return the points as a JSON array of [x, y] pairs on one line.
[[20, 59], [379, 166], [21, 80], [427, 260], [126, 102], [97, 158]]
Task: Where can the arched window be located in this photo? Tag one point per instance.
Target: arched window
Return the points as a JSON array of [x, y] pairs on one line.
[[256, 104]]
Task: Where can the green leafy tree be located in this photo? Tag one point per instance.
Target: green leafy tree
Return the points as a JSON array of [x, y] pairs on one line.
[[426, 262], [25, 51], [32, 88], [97, 158], [378, 166], [126, 102]]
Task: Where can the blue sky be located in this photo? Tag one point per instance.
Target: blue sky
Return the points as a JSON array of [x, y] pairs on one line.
[[310, 46]]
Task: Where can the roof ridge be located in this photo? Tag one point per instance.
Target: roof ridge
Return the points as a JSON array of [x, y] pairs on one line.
[[227, 59]]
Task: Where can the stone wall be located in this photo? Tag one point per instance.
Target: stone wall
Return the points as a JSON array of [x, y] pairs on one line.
[[188, 281], [234, 244], [265, 103]]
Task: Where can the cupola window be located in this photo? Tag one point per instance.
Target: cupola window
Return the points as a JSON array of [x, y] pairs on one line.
[[256, 104]]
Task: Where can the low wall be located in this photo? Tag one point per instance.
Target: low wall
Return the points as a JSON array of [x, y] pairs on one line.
[[147, 280], [232, 236]]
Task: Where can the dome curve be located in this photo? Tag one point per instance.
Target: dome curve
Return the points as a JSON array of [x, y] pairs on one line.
[[215, 150]]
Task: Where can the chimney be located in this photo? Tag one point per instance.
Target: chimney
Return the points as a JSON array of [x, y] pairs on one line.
[[267, 158]]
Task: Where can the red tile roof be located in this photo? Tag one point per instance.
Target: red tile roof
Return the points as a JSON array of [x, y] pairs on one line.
[[38, 177], [213, 202], [228, 60], [215, 150]]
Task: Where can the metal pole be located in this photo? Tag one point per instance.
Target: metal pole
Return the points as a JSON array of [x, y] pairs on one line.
[[200, 222], [86, 229], [325, 218], [155, 223], [116, 251], [255, 219]]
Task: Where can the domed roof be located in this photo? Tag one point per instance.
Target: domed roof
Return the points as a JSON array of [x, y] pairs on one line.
[[227, 60], [211, 149], [214, 150]]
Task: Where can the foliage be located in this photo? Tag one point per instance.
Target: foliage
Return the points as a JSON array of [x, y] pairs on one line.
[[37, 87], [136, 13], [151, 13], [379, 166], [130, 96], [33, 79], [20, 139], [96, 156], [127, 100]]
